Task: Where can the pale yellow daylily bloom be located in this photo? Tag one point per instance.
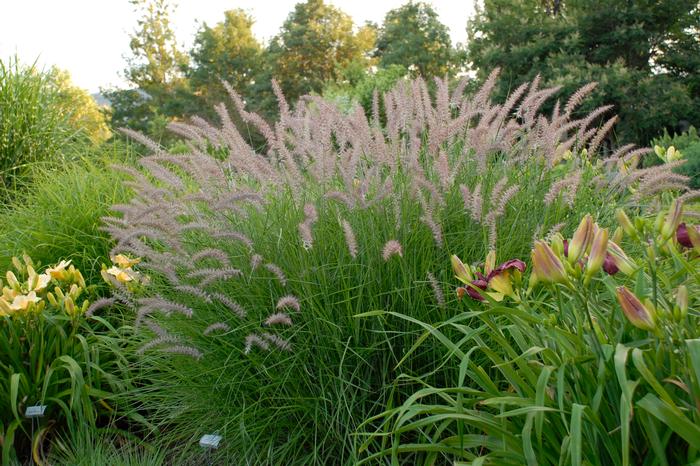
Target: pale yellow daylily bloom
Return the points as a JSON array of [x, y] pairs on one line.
[[22, 302], [9, 294], [124, 261], [121, 275], [58, 271], [38, 282]]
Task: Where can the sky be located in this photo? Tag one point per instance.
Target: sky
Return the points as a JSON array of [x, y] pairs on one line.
[[90, 38]]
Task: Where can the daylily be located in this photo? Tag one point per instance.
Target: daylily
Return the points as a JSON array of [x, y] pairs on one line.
[[673, 219], [125, 261], [36, 282], [688, 236], [496, 281], [616, 260], [121, 275], [625, 222], [546, 265], [599, 248], [581, 241], [22, 302], [640, 315], [58, 271]]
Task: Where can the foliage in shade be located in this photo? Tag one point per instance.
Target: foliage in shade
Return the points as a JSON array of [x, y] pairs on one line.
[[642, 53]]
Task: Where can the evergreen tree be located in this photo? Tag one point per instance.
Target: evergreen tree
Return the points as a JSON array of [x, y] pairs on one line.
[[627, 47]]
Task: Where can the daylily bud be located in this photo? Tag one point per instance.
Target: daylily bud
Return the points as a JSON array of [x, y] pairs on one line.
[[673, 219], [4, 308], [599, 249], [490, 262], [547, 265], [532, 283], [85, 307], [617, 236], [80, 279], [559, 245], [52, 299], [651, 253], [682, 300], [18, 265], [462, 272], [69, 306], [12, 280], [620, 259], [640, 315], [694, 236], [583, 237], [625, 222], [659, 221]]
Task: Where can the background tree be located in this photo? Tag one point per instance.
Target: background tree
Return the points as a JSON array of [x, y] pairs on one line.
[[156, 59], [227, 51], [624, 46], [412, 36], [316, 42], [155, 70]]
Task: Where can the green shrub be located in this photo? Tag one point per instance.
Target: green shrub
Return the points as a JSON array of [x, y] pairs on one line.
[[59, 217], [43, 119], [589, 366], [361, 90], [260, 263], [56, 353]]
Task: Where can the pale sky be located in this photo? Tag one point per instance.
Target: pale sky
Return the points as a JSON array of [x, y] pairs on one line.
[[90, 38]]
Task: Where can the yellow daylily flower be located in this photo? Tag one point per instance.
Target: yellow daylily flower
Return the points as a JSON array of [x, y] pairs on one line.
[[121, 275], [36, 282], [22, 302], [58, 271], [124, 261]]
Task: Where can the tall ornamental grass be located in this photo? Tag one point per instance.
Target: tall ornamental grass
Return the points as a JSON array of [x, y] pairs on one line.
[[260, 263], [43, 120], [59, 217]]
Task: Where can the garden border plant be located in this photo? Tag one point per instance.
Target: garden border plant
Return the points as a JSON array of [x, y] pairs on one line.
[[260, 263]]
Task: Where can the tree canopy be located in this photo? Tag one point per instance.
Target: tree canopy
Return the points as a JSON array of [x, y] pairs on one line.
[[412, 36], [227, 51], [632, 49]]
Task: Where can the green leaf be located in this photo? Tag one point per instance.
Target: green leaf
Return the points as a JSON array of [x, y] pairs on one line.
[[672, 417], [539, 399], [576, 447], [14, 393]]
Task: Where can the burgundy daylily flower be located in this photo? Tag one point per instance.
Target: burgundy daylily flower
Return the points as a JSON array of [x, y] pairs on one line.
[[497, 279], [683, 235]]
